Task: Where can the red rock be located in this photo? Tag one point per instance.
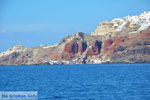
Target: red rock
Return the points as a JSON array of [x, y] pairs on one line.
[[107, 45], [71, 47], [70, 50], [55, 56], [110, 45], [18, 63], [109, 42], [95, 49]]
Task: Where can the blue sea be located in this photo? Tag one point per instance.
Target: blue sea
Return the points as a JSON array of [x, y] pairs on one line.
[[79, 82]]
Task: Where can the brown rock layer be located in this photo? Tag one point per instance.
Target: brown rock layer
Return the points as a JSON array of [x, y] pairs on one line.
[[95, 48]]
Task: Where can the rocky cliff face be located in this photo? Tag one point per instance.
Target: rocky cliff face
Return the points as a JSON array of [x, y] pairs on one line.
[[134, 49], [19, 55], [126, 25], [122, 40]]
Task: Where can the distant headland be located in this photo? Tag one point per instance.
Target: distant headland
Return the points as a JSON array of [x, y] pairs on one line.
[[121, 40]]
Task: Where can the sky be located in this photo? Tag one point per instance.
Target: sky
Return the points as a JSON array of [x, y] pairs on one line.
[[45, 22]]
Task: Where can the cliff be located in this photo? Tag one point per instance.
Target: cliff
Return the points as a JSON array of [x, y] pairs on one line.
[[126, 25], [121, 40]]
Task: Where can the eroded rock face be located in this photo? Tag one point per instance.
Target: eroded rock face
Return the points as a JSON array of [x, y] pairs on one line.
[[134, 49], [84, 50], [70, 50], [95, 48], [73, 48], [111, 45], [117, 41]]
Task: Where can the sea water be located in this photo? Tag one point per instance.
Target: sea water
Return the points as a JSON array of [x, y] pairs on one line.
[[79, 82]]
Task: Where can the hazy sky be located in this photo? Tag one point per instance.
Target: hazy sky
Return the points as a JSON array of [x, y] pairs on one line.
[[35, 22]]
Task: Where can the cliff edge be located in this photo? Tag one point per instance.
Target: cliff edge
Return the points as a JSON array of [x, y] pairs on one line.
[[121, 40]]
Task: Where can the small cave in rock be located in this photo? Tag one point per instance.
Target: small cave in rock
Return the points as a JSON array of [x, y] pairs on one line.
[[98, 44], [75, 48], [84, 46]]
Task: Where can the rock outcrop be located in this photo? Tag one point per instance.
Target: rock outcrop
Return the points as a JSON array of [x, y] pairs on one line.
[[123, 40], [95, 48], [134, 49], [126, 25]]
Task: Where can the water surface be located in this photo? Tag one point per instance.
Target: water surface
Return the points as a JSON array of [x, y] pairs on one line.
[[79, 82]]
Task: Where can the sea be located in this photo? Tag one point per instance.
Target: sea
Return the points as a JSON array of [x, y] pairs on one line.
[[79, 82]]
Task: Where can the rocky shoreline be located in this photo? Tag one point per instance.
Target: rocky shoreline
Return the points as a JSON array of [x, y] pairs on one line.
[[122, 40]]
